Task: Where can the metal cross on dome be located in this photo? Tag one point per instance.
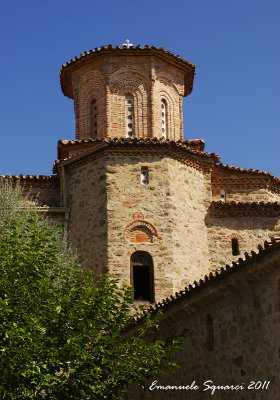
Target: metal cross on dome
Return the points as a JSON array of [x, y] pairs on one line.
[[127, 44]]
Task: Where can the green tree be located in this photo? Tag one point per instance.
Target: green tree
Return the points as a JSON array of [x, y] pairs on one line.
[[62, 334]]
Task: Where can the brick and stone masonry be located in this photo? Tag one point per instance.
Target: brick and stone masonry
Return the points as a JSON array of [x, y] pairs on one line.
[[128, 185], [190, 210]]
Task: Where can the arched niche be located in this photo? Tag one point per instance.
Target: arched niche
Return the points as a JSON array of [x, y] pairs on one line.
[[141, 231]]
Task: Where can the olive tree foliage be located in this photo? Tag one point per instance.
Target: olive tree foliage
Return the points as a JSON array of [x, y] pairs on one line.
[[62, 332]]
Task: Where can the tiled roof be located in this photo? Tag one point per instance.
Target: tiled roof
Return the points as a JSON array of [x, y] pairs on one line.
[[109, 50], [30, 177], [184, 145], [251, 171], [244, 209], [222, 273], [126, 50], [195, 144]]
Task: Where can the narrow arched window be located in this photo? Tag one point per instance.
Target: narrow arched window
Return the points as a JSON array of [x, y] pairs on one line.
[[164, 119], [235, 247], [93, 114], [142, 276], [209, 333], [129, 106]]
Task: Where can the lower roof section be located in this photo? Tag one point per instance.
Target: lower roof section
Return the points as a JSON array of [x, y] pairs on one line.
[[71, 151]]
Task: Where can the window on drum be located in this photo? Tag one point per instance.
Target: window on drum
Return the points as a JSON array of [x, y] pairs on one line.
[[129, 117]]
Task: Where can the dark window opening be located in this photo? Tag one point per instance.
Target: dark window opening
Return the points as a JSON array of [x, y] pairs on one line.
[[93, 112], [129, 117], [141, 282], [223, 195], [144, 175], [142, 276], [235, 247], [209, 332], [164, 118]]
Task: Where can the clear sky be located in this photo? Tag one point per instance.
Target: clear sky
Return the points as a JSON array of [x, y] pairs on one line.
[[235, 45]]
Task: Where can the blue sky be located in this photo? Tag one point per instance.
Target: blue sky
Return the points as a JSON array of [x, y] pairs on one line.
[[235, 45]]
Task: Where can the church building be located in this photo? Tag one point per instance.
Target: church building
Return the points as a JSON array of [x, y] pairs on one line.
[[158, 212]]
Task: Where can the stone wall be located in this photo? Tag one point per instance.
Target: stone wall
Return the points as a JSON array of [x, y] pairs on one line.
[[237, 193], [113, 215], [190, 199], [250, 232], [245, 345], [172, 206], [86, 196], [44, 188], [131, 205], [242, 185], [46, 192]]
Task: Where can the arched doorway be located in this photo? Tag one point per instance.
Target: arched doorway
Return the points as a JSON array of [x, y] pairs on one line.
[[142, 276]]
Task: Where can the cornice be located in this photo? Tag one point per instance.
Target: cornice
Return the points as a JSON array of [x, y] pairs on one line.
[[105, 51], [63, 146], [31, 178], [250, 171], [179, 150], [232, 209]]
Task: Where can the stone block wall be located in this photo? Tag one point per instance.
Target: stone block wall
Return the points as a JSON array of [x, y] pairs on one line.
[[250, 232], [172, 207], [113, 215], [86, 196], [134, 206], [238, 193], [44, 188], [47, 193], [190, 199], [244, 186], [246, 325]]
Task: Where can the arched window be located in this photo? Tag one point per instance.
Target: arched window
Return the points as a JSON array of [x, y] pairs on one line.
[[129, 106], [164, 119], [93, 114], [209, 333], [235, 247], [142, 276]]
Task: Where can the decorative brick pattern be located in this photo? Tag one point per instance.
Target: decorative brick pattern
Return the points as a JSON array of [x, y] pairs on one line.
[[141, 231], [141, 234], [109, 81], [91, 86], [185, 216], [177, 217], [228, 238]]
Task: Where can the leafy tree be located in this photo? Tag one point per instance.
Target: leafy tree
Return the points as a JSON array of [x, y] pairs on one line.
[[62, 334]]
